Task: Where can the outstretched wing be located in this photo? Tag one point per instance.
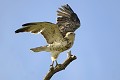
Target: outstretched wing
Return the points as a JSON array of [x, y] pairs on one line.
[[67, 20], [49, 30]]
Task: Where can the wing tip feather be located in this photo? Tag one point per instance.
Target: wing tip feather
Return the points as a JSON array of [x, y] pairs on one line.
[[25, 29], [19, 30], [27, 24]]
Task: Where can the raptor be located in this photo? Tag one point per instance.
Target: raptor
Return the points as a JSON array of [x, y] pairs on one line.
[[60, 36]]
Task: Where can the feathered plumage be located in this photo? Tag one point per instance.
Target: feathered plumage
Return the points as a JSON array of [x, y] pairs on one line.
[[67, 20], [59, 36]]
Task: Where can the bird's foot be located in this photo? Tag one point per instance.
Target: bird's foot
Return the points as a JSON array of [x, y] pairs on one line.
[[51, 67], [58, 65]]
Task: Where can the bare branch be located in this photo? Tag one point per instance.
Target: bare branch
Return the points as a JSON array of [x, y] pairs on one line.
[[60, 67]]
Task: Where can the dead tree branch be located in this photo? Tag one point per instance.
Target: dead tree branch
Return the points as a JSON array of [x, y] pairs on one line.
[[60, 67]]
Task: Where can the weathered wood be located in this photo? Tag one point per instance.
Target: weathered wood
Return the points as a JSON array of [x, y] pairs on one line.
[[60, 67]]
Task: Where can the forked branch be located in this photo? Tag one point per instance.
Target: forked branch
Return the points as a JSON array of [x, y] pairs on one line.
[[60, 67]]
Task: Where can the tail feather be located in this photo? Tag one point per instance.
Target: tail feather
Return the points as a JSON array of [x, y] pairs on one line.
[[39, 49]]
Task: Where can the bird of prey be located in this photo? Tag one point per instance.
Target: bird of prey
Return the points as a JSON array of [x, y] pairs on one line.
[[59, 36]]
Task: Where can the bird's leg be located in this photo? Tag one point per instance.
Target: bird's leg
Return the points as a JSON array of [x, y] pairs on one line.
[[57, 65], [56, 62], [52, 64]]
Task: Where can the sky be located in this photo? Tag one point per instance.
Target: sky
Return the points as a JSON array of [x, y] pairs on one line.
[[97, 42]]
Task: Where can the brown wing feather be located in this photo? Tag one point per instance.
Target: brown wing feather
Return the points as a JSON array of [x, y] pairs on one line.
[[67, 20], [49, 30]]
